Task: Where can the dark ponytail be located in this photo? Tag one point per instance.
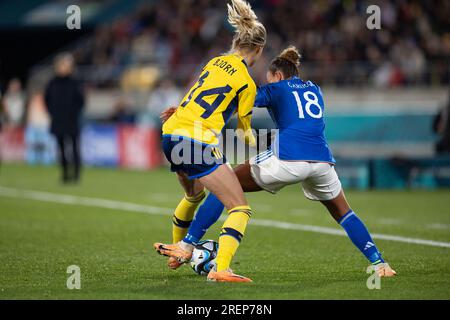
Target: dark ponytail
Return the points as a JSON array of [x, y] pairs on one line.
[[288, 63]]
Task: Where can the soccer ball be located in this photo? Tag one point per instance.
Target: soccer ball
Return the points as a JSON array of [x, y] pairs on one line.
[[204, 257]]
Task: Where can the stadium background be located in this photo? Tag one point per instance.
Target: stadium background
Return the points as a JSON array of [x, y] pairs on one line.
[[383, 90]]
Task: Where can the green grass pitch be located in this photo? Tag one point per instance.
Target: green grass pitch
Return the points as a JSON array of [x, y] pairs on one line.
[[40, 239]]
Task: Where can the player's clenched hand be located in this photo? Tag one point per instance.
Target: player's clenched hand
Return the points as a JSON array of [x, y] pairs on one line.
[[166, 114]]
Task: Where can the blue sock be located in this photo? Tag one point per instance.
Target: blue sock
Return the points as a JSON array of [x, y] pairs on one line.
[[208, 213], [360, 236]]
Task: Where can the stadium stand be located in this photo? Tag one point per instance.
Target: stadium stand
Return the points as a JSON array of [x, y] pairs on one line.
[[382, 88]]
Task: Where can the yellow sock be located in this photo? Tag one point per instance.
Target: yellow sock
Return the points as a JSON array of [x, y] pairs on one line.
[[183, 215], [232, 232]]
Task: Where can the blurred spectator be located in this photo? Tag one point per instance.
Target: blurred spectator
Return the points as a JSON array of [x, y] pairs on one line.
[[65, 100], [387, 75], [40, 147], [412, 46], [441, 126], [163, 96], [2, 112], [14, 103], [122, 113]]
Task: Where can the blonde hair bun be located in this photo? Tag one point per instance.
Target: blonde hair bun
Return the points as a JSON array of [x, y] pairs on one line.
[[249, 31], [241, 16]]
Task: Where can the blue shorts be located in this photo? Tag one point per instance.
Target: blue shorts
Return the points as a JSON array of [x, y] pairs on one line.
[[192, 157]]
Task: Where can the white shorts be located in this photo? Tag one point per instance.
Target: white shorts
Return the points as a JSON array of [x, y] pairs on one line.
[[319, 180]]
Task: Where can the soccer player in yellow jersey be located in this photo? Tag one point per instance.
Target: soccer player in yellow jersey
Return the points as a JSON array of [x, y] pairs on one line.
[[190, 140]]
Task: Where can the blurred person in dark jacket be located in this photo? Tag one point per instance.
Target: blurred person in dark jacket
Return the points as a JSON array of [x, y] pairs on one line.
[[65, 100], [441, 126]]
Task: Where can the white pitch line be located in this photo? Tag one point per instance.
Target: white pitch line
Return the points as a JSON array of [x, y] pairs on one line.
[[82, 201], [133, 207]]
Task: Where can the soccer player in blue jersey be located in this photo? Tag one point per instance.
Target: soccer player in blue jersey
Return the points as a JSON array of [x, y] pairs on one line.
[[300, 154]]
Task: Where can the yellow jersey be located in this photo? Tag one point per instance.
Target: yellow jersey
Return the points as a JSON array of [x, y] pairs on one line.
[[224, 88]]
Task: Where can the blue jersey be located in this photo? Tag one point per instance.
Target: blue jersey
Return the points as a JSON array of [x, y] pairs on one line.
[[297, 108]]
